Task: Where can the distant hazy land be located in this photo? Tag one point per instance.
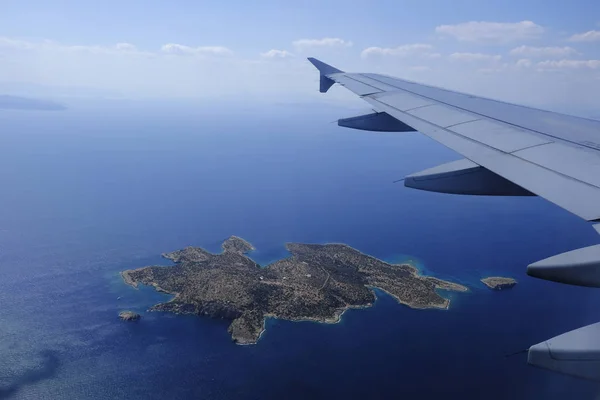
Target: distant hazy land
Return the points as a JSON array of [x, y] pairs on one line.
[[8, 102]]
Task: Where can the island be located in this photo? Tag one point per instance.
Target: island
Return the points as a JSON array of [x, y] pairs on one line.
[[499, 282], [317, 282], [129, 316]]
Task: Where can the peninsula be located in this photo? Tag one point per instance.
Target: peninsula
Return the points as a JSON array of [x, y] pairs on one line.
[[499, 282], [316, 282]]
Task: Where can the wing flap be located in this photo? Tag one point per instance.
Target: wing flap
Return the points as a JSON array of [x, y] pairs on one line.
[[503, 137], [581, 164]]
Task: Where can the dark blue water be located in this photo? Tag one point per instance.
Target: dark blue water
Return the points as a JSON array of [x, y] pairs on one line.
[[99, 188]]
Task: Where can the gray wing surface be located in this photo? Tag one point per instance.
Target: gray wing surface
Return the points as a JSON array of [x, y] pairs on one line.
[[552, 155], [509, 150]]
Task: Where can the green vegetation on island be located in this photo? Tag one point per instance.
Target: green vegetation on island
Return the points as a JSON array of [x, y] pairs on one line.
[[317, 282]]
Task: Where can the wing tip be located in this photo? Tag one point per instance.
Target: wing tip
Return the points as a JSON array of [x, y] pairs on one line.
[[324, 69]]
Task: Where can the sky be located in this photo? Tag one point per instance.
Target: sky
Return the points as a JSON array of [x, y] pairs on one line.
[[541, 53]]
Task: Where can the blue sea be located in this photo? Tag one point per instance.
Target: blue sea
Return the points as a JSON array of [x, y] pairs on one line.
[[109, 185]]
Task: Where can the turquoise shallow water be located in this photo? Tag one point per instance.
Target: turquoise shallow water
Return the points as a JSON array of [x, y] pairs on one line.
[[87, 196]]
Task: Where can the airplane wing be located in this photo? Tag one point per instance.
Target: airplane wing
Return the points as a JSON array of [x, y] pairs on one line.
[[508, 150]]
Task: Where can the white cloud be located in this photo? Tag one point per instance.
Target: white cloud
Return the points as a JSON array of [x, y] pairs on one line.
[[492, 32], [119, 47], [407, 50], [120, 70], [302, 44], [529, 51], [274, 53], [49, 45], [470, 57], [569, 64], [179, 49], [524, 63], [13, 43], [125, 47], [589, 36]]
